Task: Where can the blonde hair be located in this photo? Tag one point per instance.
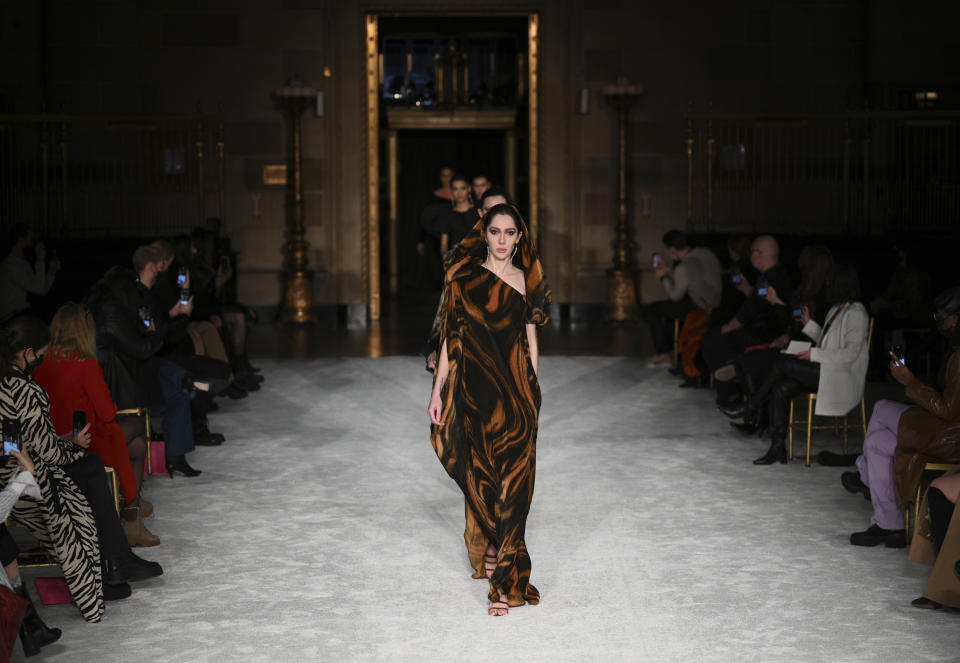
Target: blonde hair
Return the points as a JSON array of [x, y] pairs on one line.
[[73, 332]]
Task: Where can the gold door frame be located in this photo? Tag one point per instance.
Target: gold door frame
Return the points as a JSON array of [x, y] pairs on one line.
[[371, 236]]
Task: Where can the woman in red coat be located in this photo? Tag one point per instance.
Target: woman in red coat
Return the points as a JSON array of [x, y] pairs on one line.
[[74, 381]]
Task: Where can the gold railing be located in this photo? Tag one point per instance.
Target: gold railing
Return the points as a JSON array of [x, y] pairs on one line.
[[861, 172], [95, 176]]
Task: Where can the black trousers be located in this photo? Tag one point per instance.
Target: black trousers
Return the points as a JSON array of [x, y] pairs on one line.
[[788, 377], [91, 479], [659, 316], [8, 547]]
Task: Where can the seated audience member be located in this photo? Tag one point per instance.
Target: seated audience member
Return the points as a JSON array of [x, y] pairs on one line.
[[896, 430], [19, 278], [34, 633], [74, 382], [834, 368], [128, 342], [738, 279], [693, 287], [75, 518], [741, 347], [234, 320], [936, 543], [173, 306]]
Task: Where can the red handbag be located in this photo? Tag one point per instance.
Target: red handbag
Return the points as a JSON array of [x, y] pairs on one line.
[[12, 610]]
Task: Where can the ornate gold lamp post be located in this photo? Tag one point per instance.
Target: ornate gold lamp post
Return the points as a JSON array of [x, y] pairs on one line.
[[621, 279], [297, 279]]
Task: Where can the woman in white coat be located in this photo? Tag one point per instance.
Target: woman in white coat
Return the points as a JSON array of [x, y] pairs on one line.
[[834, 368]]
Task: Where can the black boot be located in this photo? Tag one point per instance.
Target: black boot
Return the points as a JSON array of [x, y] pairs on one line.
[[34, 633], [179, 465], [777, 453]]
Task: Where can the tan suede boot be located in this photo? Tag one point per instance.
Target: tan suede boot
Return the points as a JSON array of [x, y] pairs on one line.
[[137, 533], [146, 508]]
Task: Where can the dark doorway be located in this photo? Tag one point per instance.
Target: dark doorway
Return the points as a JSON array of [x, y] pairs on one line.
[[421, 155]]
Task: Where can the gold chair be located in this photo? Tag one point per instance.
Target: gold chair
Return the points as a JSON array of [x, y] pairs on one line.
[[925, 481], [40, 558], [143, 412], [836, 426]]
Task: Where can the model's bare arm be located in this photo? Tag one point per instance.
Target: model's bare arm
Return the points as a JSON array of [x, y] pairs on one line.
[[435, 409], [534, 348]]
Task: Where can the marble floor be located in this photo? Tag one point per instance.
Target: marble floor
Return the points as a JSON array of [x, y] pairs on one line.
[[326, 530]]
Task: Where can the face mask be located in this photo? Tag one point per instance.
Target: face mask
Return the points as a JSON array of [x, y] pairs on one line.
[[33, 365]]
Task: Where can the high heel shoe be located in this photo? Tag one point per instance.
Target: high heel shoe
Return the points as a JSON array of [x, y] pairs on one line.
[[179, 465]]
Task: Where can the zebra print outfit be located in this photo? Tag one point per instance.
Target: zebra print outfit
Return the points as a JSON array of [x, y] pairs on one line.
[[61, 520]]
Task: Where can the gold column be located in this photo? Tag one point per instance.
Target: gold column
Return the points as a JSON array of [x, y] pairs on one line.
[[298, 279], [510, 161], [372, 234], [394, 213], [621, 278], [533, 44]]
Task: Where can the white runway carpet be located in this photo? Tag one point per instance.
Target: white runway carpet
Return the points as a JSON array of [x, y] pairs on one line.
[[326, 530]]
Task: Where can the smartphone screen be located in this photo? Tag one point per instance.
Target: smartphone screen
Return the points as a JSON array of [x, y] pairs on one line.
[[182, 276], [762, 291], [657, 261], [11, 436], [79, 421], [898, 353], [798, 312], [736, 279]]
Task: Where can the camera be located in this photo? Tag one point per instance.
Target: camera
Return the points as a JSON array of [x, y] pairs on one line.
[[184, 296], [11, 436], [79, 421], [657, 261], [181, 276]]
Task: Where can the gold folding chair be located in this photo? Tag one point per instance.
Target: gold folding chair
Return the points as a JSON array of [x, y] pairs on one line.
[[842, 430], [145, 413]]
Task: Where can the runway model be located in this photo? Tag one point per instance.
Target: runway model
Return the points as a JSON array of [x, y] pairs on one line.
[[486, 395]]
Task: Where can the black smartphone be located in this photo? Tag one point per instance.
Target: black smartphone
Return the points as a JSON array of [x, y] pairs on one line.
[[224, 263], [79, 421], [181, 276], [762, 290], [11, 436], [898, 353], [145, 315], [736, 279], [184, 296]]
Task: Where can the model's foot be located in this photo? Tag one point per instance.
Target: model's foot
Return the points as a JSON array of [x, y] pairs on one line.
[[490, 561], [498, 608]]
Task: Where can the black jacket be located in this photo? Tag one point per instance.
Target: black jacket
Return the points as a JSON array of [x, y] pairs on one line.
[[762, 320], [124, 344]]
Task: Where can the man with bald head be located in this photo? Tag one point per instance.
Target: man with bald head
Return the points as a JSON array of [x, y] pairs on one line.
[[740, 348]]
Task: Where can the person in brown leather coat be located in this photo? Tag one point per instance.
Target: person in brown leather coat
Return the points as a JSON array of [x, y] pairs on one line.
[[901, 439]]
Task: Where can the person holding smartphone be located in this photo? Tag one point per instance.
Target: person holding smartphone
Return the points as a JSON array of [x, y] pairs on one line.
[[835, 368], [901, 438], [18, 277], [756, 324], [75, 519], [693, 287]]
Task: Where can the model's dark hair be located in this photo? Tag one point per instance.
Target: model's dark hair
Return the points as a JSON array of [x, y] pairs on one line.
[[497, 191], [843, 285], [460, 178], [20, 333], [676, 239], [815, 263]]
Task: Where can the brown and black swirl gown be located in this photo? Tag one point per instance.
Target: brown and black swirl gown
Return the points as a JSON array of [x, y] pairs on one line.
[[491, 403]]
